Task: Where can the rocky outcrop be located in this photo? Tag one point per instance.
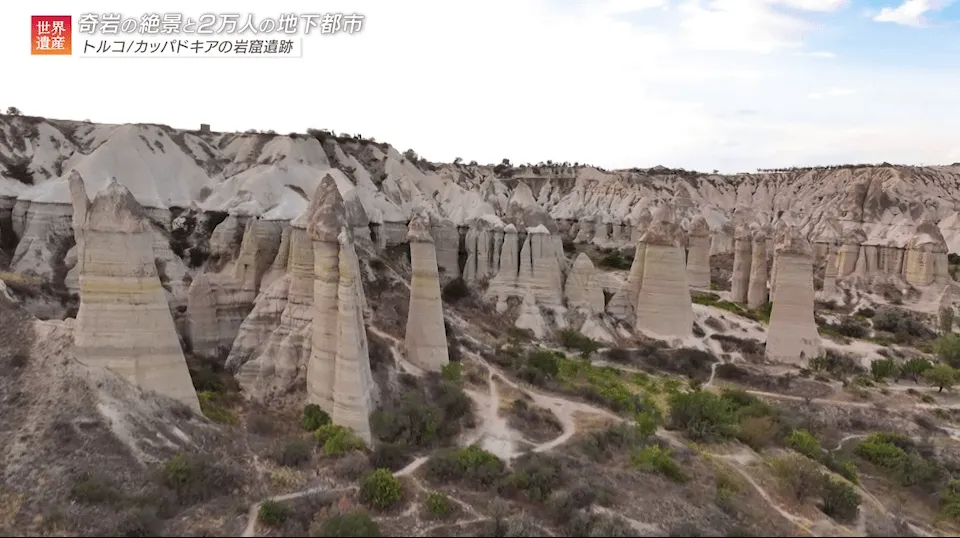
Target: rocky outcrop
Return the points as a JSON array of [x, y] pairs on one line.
[[925, 262], [327, 219], [757, 290], [742, 256], [530, 317], [698, 254], [281, 361], [504, 283], [446, 241], [354, 395], [623, 304], [426, 340], [583, 289], [792, 336], [587, 229], [124, 321], [664, 307], [539, 269]]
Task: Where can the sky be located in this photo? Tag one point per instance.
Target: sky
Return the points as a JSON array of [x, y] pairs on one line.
[[728, 85]]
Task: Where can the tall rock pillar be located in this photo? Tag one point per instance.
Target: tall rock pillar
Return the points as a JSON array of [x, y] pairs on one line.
[[426, 339]]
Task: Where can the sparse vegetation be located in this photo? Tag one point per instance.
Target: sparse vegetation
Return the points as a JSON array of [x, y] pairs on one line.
[[615, 260], [943, 376], [352, 524], [273, 513], [761, 314], [572, 339], [313, 418], [653, 458], [336, 440], [294, 453], [439, 505], [380, 489], [455, 290]]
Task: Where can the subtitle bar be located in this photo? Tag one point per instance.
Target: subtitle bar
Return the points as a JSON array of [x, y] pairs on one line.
[[156, 47]]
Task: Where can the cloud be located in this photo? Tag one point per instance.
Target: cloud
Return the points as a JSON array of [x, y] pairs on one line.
[[817, 54], [833, 92], [910, 12]]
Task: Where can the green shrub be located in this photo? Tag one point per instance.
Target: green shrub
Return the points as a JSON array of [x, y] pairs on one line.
[[380, 489], [536, 475], [805, 443], [798, 475], [273, 513], [425, 416], [353, 524], [196, 479], [654, 459], [472, 464], [844, 468], [455, 290], [839, 500], [950, 500], [294, 453], [947, 348], [313, 417], [337, 440], [451, 372], [572, 339], [390, 456], [943, 376], [883, 368], [93, 489], [915, 367], [439, 505], [702, 415], [615, 260], [213, 406]]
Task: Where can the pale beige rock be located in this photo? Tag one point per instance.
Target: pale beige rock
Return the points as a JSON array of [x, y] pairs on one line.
[[202, 326], [504, 283], [255, 332], [588, 226], [327, 219], [792, 336], [925, 262], [278, 268], [540, 270], [623, 304], [583, 288], [353, 396], [757, 292], [530, 317], [124, 321], [446, 241], [426, 340], [470, 245], [698, 254], [664, 307], [742, 257], [831, 270]]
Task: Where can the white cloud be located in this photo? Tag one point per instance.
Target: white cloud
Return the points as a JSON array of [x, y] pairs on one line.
[[910, 12], [522, 79], [817, 54], [833, 92]]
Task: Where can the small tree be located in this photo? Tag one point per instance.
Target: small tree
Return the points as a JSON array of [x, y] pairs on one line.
[[458, 161], [915, 367], [313, 417], [883, 368], [380, 489], [14, 111], [947, 348], [941, 375], [411, 155]]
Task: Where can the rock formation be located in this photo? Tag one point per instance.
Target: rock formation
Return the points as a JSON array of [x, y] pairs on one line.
[[426, 340], [353, 390], [792, 336], [446, 241], [504, 283], [623, 304], [926, 257], [327, 219], [582, 289], [530, 317], [757, 288], [742, 256], [124, 321], [698, 254], [664, 307]]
